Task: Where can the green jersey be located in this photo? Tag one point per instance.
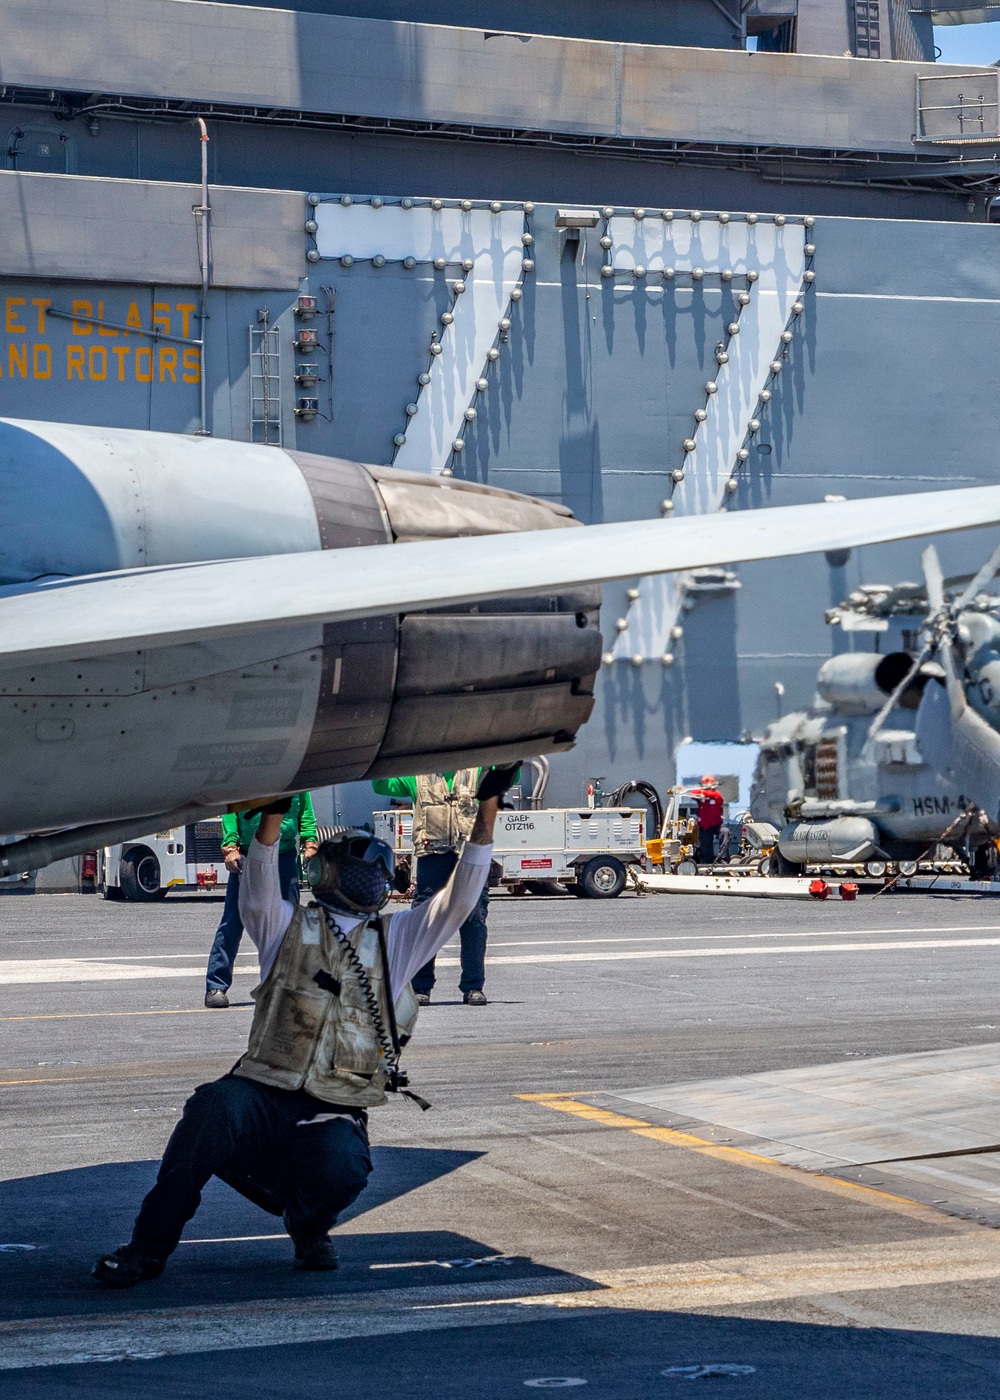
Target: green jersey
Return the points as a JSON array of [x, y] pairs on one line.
[[298, 824]]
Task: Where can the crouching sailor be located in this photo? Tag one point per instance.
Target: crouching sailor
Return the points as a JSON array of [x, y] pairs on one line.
[[287, 1127]]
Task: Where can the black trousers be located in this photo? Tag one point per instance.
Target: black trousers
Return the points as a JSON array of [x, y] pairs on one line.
[[265, 1143]]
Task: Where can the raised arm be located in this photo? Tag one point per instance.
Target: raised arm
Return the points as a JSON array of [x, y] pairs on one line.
[[482, 828], [265, 914]]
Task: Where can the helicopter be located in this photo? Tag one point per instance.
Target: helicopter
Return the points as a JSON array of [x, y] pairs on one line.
[[900, 752], [188, 623]]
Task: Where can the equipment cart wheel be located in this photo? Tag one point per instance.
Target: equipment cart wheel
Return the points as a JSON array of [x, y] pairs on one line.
[[603, 877], [139, 876], [781, 866]]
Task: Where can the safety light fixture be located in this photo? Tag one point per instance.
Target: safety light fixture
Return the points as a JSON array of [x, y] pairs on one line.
[[577, 218]]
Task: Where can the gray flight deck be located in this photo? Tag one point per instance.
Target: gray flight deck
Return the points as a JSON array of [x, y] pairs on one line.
[[929, 1122], [541, 1221]]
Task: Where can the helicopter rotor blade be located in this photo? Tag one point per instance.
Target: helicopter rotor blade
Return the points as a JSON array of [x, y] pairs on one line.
[[934, 579], [979, 582], [954, 687]]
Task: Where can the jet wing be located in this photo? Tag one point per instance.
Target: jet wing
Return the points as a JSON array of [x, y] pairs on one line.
[[100, 614]]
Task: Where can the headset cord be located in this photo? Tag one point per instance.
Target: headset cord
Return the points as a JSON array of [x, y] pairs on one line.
[[396, 1079]]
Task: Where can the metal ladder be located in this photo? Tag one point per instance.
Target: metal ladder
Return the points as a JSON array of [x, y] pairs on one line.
[[265, 382], [867, 36]]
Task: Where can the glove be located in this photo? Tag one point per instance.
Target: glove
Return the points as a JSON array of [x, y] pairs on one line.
[[496, 781]]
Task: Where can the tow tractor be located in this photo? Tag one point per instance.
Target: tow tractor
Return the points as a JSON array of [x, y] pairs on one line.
[[754, 851], [184, 858], [589, 850], [674, 851]]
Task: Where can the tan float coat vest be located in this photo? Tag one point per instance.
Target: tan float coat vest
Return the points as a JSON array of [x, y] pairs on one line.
[[443, 820], [320, 1036]]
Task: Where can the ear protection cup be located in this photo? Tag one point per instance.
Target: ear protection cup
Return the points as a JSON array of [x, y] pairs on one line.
[[352, 871]]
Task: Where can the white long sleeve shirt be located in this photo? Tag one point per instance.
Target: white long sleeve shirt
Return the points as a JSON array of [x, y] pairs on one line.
[[413, 936]]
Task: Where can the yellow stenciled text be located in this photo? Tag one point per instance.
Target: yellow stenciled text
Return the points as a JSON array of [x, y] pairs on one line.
[[36, 349]]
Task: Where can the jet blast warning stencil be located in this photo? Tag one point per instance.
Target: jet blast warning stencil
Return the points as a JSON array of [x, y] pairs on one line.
[[265, 710], [240, 753]]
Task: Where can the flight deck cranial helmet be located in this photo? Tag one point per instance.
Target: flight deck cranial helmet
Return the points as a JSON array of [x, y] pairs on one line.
[[352, 871]]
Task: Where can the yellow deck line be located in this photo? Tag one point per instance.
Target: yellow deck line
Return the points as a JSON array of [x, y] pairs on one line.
[[835, 1186]]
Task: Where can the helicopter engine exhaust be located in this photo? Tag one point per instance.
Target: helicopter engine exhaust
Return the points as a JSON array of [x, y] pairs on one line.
[[859, 682]]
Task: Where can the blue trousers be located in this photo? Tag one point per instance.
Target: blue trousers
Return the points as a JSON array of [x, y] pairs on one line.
[[230, 930], [261, 1141], [433, 873]]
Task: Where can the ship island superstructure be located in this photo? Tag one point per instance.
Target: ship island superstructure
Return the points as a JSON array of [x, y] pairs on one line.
[[650, 258]]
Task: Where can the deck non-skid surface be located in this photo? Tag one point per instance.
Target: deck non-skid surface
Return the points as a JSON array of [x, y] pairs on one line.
[[932, 1117], [536, 1224]]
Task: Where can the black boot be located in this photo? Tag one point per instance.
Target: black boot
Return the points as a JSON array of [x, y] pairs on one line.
[[126, 1267], [316, 1256]]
